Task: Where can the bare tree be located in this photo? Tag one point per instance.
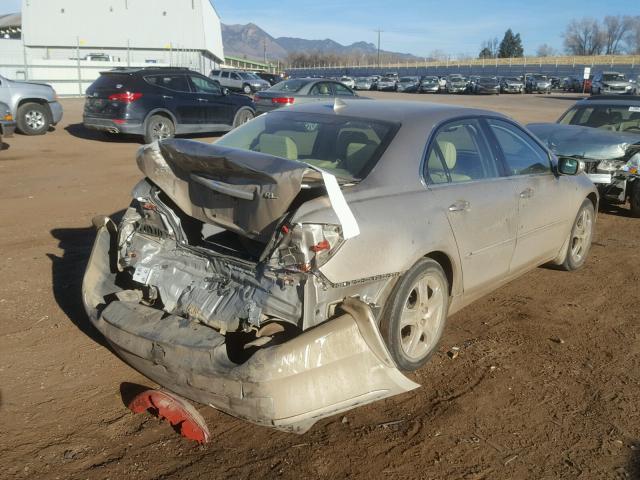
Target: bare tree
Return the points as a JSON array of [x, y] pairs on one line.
[[583, 37], [632, 38], [545, 50], [489, 48], [614, 30]]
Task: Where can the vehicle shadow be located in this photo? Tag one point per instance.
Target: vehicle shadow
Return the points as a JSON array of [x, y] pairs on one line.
[[633, 468], [4, 146], [614, 210], [78, 130], [67, 272]]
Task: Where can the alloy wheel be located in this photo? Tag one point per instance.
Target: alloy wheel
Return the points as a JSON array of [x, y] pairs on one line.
[[581, 237], [422, 316]]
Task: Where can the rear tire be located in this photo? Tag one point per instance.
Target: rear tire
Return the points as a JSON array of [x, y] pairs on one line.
[[634, 198], [415, 314], [246, 89], [580, 238], [242, 117], [33, 119], [158, 127]]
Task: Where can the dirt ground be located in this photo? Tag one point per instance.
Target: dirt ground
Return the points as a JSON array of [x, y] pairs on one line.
[[545, 386]]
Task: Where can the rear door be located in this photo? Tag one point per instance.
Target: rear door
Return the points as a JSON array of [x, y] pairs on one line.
[[175, 95], [542, 221], [470, 185], [217, 108]]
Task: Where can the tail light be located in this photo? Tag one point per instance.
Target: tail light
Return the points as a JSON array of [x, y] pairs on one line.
[[125, 97], [309, 246], [8, 117], [283, 100], [256, 98]]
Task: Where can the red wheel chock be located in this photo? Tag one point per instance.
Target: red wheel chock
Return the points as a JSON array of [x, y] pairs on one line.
[[177, 411]]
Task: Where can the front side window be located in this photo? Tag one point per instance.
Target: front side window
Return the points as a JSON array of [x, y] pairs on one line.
[[289, 86], [522, 154], [459, 153], [346, 147], [204, 85], [341, 90]]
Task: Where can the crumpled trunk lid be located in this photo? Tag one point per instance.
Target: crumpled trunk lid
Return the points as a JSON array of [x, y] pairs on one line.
[[242, 191]]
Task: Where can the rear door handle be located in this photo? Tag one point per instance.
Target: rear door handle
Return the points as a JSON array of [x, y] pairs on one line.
[[527, 193], [460, 206], [202, 100], [167, 97]]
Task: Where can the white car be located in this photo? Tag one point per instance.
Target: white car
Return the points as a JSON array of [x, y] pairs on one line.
[[349, 82]]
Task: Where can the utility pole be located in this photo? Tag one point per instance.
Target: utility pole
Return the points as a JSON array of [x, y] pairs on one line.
[[264, 45], [379, 31]]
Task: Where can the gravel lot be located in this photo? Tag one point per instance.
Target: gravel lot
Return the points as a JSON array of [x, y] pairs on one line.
[[545, 386]]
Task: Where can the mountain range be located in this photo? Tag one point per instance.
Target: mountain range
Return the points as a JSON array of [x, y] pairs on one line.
[[249, 41]]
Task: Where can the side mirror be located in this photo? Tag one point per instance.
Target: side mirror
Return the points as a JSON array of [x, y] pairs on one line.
[[225, 91], [568, 166]]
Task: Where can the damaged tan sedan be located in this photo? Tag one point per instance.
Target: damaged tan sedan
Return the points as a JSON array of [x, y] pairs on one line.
[[295, 268]]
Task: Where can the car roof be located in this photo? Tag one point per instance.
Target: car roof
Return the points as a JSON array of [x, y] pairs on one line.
[[391, 110], [134, 70], [633, 100]]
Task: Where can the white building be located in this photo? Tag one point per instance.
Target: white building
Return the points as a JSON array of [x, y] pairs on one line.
[[68, 42]]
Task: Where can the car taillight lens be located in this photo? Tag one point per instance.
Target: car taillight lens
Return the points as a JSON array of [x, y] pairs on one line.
[[283, 100], [256, 98], [308, 246], [8, 117], [125, 97]]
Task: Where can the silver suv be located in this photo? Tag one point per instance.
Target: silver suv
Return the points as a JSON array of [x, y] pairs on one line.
[[611, 83], [239, 80], [34, 106]]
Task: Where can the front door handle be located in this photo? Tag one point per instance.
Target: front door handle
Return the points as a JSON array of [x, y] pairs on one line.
[[167, 97], [460, 206], [527, 193], [202, 100]]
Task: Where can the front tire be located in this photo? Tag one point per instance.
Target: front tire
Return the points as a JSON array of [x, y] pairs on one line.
[[580, 238], [415, 314], [159, 127], [33, 119]]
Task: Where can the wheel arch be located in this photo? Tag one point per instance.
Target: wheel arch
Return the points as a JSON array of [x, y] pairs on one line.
[[39, 101], [160, 111], [444, 260]]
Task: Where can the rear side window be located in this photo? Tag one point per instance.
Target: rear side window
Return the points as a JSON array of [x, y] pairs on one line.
[[522, 155], [177, 83], [322, 89], [459, 153], [225, 75], [112, 81], [215, 73], [289, 86]]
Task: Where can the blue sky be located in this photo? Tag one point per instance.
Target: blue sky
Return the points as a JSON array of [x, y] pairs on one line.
[[413, 26]]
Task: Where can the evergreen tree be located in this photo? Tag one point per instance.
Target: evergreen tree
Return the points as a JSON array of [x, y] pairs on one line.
[[511, 45]]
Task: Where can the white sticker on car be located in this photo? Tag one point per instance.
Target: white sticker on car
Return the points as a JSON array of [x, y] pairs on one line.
[[634, 109], [339, 204], [142, 274]]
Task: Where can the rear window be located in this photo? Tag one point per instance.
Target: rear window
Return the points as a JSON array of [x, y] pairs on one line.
[[289, 86], [346, 147], [112, 81]]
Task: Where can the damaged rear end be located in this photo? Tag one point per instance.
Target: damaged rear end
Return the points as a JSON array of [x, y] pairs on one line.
[[208, 287]]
